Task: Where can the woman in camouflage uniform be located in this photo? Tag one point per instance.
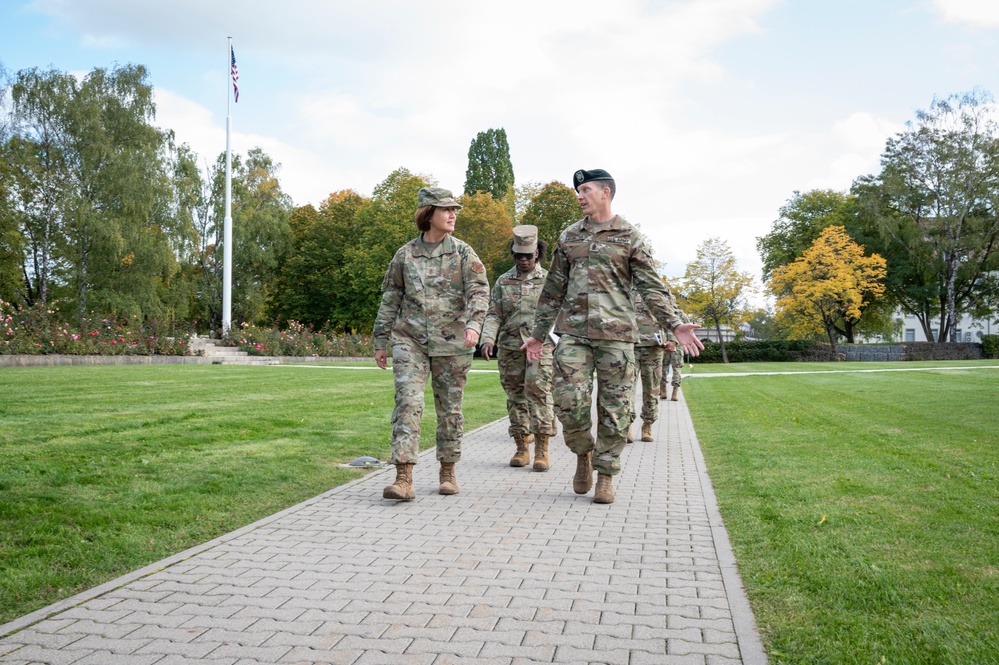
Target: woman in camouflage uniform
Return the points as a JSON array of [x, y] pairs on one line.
[[434, 299], [509, 323]]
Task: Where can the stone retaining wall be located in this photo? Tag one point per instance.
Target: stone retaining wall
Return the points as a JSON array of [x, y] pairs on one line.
[[911, 351]]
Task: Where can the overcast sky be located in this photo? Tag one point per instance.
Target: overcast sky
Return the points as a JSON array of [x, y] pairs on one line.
[[709, 113]]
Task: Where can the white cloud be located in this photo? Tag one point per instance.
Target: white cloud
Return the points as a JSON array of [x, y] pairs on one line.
[[359, 89], [977, 13]]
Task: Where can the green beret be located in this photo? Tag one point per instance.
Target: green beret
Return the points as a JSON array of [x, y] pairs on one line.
[[582, 175]]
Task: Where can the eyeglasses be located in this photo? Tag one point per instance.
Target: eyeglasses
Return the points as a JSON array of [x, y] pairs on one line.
[[517, 256]]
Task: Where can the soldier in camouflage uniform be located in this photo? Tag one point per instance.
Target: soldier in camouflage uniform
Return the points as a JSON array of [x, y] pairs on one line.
[[587, 297], [509, 322], [674, 359], [434, 300], [649, 355]]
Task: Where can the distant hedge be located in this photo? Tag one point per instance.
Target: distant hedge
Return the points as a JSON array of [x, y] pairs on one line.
[[990, 346], [789, 350]]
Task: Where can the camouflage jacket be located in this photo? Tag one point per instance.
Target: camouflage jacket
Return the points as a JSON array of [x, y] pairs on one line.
[[510, 319], [683, 317], [647, 326], [588, 290], [431, 296]]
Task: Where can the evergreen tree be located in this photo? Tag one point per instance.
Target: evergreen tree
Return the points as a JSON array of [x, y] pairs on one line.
[[489, 166]]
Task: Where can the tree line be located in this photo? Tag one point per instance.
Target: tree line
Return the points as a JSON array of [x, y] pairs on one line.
[[920, 236], [106, 214]]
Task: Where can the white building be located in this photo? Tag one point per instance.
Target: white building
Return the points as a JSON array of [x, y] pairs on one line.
[[968, 329]]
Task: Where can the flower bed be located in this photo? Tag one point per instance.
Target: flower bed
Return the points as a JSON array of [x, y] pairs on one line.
[[299, 340], [43, 330]]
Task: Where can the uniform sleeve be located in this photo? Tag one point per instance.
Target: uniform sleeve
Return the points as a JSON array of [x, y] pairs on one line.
[[476, 291], [656, 295], [494, 316], [393, 290], [552, 295]]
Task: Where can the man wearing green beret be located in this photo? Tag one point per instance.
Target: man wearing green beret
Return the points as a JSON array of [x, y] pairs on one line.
[[587, 298]]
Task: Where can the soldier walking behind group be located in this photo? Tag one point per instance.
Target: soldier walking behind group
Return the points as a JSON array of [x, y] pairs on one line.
[[434, 299], [674, 359], [509, 322], [649, 356], [588, 298]]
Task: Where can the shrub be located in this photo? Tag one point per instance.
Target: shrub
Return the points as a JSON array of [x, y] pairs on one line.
[[990, 346], [299, 340], [790, 350], [42, 329]]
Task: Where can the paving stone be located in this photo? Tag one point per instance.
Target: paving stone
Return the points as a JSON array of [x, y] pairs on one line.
[[516, 569]]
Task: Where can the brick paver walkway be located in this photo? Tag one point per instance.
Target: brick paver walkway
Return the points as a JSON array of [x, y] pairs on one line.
[[514, 569]]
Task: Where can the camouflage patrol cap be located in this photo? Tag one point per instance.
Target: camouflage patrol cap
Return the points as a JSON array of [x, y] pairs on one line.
[[437, 197], [582, 175], [525, 239]]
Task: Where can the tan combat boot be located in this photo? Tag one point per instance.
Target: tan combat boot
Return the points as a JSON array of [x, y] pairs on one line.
[[676, 394], [605, 490], [523, 455], [540, 452], [449, 484], [402, 488], [664, 392], [583, 480], [646, 431], [631, 435]]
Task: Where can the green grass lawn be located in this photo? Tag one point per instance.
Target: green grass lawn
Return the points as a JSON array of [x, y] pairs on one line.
[[863, 508], [106, 469]]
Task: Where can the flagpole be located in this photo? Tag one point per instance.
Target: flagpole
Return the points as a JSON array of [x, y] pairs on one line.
[[227, 226]]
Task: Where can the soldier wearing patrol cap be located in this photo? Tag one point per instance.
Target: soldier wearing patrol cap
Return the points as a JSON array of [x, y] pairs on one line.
[[674, 360], [509, 322], [649, 358], [587, 297], [434, 299]]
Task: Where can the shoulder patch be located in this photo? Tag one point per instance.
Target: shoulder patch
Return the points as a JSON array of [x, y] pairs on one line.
[[478, 267]]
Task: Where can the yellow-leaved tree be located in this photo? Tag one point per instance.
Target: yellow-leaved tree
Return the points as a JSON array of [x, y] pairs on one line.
[[825, 290], [485, 224]]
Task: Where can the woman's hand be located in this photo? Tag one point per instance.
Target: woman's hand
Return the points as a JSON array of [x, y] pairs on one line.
[[487, 350], [381, 358], [471, 338]]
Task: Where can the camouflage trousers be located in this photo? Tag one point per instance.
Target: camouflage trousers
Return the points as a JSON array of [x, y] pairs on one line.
[[576, 358], [675, 361], [650, 368], [528, 389], [410, 367]]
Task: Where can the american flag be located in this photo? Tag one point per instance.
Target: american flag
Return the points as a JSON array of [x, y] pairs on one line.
[[235, 74]]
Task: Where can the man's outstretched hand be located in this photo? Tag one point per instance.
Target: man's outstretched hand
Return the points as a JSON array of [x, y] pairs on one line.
[[684, 334], [535, 349]]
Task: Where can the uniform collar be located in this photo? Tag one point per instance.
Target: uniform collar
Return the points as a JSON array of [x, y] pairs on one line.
[[420, 248], [613, 224]]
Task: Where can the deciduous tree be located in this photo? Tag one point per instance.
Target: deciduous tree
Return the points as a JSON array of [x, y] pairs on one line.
[[933, 210], [384, 224], [485, 225], [553, 209], [713, 290], [826, 289], [801, 221]]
